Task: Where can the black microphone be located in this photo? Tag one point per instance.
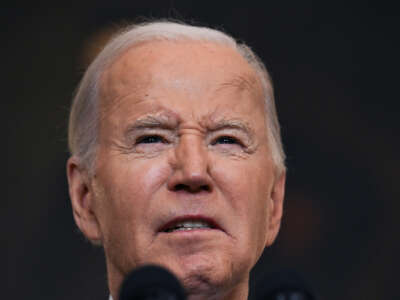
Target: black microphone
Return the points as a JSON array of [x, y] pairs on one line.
[[284, 285], [151, 283]]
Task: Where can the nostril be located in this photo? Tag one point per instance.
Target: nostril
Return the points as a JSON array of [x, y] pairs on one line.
[[191, 188], [205, 188], [180, 187]]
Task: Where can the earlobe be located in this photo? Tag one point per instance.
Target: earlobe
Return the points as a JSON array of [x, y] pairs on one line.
[[276, 208], [81, 196]]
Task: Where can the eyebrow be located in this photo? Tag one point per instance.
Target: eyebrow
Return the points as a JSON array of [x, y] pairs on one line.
[[151, 121], [169, 123], [231, 124]]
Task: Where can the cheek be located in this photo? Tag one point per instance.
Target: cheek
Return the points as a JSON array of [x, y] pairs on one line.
[[152, 175], [135, 178], [128, 188], [247, 184], [247, 187]]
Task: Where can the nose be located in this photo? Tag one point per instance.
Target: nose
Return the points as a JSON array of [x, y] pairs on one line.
[[190, 166]]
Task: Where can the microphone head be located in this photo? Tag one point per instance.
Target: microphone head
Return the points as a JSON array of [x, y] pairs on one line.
[[284, 285], [151, 283]]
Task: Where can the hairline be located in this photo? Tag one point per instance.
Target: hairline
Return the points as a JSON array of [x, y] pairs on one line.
[[90, 85]]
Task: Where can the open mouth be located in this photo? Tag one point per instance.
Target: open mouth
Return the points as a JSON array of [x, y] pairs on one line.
[[188, 224]]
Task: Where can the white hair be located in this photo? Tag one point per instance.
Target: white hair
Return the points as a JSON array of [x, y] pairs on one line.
[[84, 116]]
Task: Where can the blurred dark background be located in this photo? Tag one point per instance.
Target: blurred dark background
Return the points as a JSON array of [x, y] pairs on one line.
[[336, 71]]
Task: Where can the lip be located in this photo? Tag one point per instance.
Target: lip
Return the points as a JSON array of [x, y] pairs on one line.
[[213, 224]]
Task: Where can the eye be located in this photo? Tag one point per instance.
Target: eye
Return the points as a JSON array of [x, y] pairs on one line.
[[150, 139], [225, 140]]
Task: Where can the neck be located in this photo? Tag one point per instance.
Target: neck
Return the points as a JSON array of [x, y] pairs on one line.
[[238, 292], [240, 295]]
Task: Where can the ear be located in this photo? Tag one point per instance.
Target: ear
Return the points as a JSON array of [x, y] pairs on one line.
[[276, 208], [82, 198]]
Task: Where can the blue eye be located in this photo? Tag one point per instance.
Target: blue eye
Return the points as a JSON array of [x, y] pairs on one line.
[[225, 140], [150, 139]]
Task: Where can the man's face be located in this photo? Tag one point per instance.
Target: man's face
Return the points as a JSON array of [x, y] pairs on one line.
[[183, 175]]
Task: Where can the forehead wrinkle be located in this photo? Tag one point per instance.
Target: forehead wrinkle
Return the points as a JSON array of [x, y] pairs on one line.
[[109, 106], [121, 80], [245, 81]]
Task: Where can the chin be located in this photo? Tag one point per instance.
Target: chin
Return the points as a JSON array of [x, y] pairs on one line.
[[203, 275]]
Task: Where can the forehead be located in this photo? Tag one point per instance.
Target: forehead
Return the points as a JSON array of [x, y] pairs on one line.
[[176, 70]]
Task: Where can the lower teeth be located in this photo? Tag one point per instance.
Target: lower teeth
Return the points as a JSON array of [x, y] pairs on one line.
[[185, 229]]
